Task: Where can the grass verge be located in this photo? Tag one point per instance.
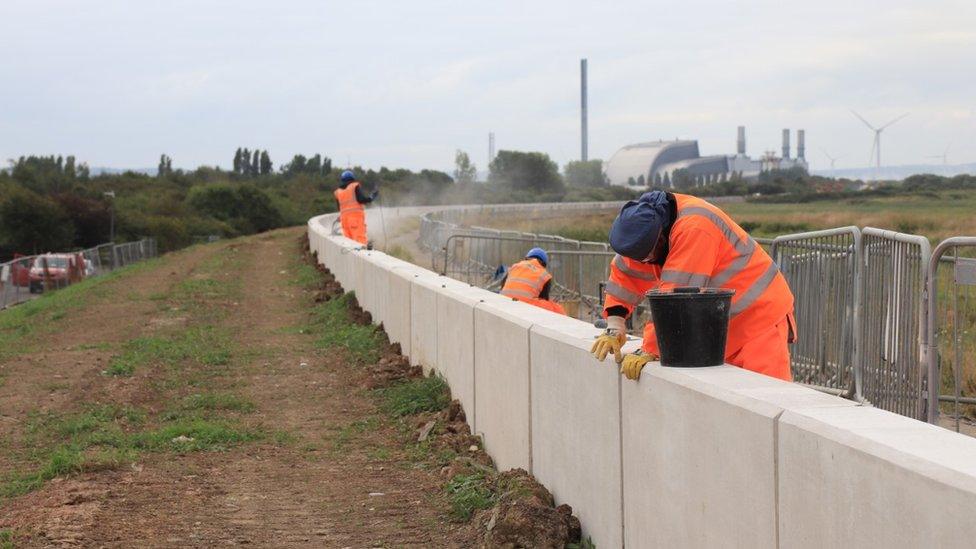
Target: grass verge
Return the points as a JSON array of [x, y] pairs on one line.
[[426, 394], [42, 314], [335, 328]]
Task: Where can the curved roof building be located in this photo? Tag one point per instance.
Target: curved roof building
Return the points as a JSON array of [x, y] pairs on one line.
[[648, 160]]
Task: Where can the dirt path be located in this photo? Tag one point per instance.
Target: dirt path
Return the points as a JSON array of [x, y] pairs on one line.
[[324, 472]]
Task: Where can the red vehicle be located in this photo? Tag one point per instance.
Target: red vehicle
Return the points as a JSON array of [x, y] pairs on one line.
[[61, 270], [20, 271]]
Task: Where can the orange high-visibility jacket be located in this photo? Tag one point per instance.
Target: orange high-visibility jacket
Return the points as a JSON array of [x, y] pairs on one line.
[[525, 282], [526, 279], [708, 249], [347, 199]]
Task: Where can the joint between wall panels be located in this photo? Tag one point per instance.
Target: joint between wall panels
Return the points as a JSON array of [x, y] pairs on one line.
[[776, 476], [620, 443], [528, 372], [474, 371]]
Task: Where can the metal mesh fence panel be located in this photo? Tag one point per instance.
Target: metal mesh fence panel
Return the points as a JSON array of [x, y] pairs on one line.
[[950, 338], [822, 270], [892, 320]]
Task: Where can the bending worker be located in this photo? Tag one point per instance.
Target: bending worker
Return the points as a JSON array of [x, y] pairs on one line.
[[529, 281], [665, 240], [352, 215]]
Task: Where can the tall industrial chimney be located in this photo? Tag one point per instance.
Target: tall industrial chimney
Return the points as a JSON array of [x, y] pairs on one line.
[[801, 146], [740, 143], [786, 144], [583, 132], [491, 147]]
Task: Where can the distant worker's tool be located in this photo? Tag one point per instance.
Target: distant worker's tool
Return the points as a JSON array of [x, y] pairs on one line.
[[529, 281], [665, 240], [352, 215]]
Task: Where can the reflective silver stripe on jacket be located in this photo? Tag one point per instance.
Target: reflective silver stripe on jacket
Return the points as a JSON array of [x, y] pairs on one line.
[[532, 283], [619, 263], [682, 278], [756, 290], [512, 292], [745, 248], [623, 294]]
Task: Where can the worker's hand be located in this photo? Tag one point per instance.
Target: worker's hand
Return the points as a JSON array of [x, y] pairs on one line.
[[612, 340], [633, 363], [374, 194]]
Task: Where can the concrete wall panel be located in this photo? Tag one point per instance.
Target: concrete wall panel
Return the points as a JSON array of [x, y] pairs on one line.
[[863, 477], [456, 346], [501, 362], [576, 428], [698, 468], [423, 316]]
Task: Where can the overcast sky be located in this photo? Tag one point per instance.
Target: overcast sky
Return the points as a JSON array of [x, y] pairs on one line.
[[406, 83]]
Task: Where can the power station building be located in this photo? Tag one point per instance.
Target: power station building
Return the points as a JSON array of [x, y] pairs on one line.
[[657, 163]]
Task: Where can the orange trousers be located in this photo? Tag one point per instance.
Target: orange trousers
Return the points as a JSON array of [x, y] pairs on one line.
[[768, 353], [546, 304], [354, 226]]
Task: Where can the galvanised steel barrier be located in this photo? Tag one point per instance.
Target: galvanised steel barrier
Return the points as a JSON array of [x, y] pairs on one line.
[[880, 316], [15, 275], [892, 321], [823, 271], [950, 338]]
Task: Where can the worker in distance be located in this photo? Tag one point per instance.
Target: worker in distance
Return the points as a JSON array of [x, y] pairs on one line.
[[665, 240], [529, 281], [352, 213]]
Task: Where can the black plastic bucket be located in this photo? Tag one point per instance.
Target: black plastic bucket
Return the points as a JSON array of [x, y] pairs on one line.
[[691, 325]]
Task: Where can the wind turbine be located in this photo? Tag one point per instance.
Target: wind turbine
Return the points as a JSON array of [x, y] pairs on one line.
[[876, 145], [833, 160], [944, 156]]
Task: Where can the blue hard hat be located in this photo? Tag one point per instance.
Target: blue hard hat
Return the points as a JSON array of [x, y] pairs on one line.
[[639, 225], [539, 254], [347, 176]]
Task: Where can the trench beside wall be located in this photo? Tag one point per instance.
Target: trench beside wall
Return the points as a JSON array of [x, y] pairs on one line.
[[700, 457]]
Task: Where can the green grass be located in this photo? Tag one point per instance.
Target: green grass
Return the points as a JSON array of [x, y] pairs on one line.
[[426, 394], [107, 437], [6, 539], [218, 401], [41, 315], [467, 494], [305, 275], [204, 345], [584, 544], [936, 215], [334, 329], [210, 435]]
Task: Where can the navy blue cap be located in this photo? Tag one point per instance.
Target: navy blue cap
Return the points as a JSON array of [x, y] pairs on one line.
[[639, 225]]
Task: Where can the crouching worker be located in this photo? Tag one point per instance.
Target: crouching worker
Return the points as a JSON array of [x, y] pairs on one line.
[[529, 281], [665, 240], [352, 214]]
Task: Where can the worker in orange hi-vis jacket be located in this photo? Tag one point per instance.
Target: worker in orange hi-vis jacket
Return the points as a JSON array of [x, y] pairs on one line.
[[529, 281], [352, 214], [665, 240]]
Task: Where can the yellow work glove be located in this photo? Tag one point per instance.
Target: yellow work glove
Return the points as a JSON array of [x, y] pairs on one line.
[[611, 340], [634, 362]]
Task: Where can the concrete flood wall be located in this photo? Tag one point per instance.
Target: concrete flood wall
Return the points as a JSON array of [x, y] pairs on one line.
[[703, 457]]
